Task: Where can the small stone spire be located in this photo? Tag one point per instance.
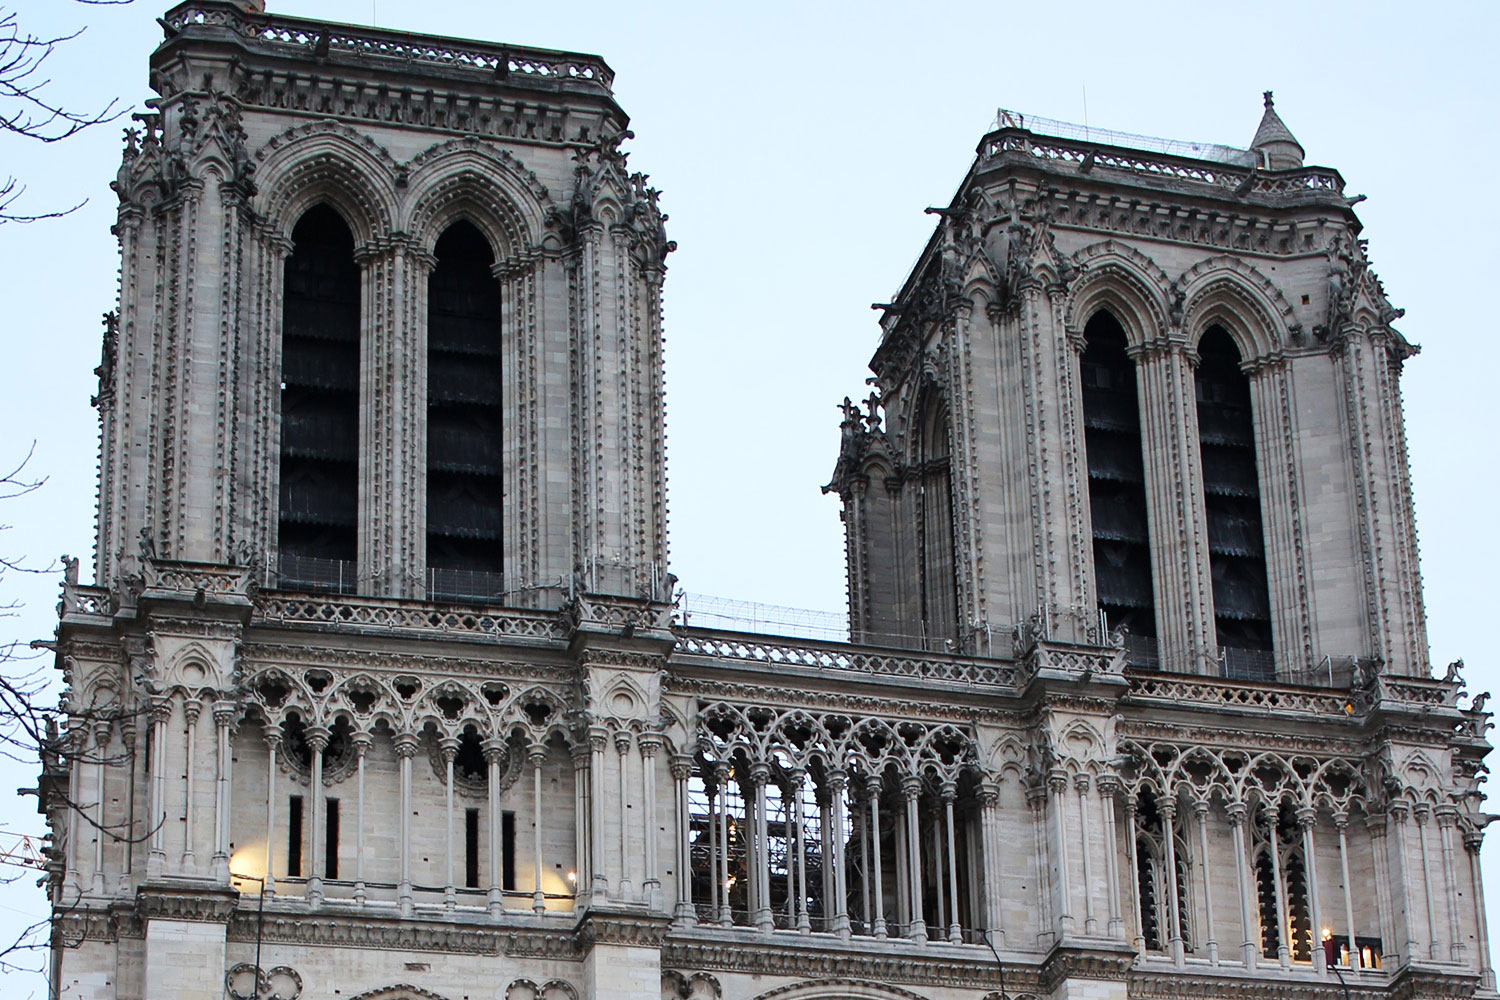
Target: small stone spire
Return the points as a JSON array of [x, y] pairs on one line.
[[1279, 149], [252, 6]]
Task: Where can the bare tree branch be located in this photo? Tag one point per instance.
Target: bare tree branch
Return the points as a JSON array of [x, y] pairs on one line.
[[27, 111]]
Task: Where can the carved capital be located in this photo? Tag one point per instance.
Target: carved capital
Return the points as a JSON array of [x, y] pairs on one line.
[[225, 712], [317, 738]]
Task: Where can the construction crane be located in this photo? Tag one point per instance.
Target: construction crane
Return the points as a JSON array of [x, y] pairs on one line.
[[22, 850]]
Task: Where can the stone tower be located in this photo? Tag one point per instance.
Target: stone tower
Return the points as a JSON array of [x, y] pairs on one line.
[[1156, 399], [226, 437], [378, 692]]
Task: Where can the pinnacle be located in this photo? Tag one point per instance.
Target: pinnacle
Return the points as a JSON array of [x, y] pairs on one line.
[[1282, 149]]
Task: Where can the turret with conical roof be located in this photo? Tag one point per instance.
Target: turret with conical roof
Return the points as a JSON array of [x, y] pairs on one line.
[[1278, 148]]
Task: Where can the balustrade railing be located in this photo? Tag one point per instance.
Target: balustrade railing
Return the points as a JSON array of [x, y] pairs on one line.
[[847, 657], [320, 39]]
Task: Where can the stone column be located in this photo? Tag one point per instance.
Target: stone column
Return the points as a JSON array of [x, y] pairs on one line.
[[583, 878], [1036, 797], [156, 861], [1307, 818], [650, 881], [804, 922], [494, 753], [1368, 366], [448, 747], [1200, 812], [1177, 522], [1238, 813], [911, 788], [1133, 859], [725, 915], [224, 714], [101, 753], [362, 742], [1446, 818], [127, 847], [393, 397], [1109, 786], [1423, 814], [1279, 465], [191, 709], [989, 842], [874, 784], [1168, 809], [1473, 840], [862, 824], [681, 766], [1081, 784], [939, 882], [1377, 826], [955, 929], [760, 874], [1341, 823], [317, 742], [1283, 946], [1057, 849], [273, 743], [837, 782], [713, 794], [624, 888], [406, 749], [598, 739], [537, 754]]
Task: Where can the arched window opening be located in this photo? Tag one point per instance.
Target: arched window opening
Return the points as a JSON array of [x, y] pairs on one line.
[[464, 413], [938, 583], [1231, 500], [317, 531], [1117, 488], [1153, 890], [1277, 849]]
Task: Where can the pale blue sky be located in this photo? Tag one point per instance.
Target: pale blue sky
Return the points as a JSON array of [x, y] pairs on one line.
[[796, 146]]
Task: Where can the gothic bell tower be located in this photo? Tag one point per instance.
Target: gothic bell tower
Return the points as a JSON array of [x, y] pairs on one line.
[[1146, 393], [388, 324]]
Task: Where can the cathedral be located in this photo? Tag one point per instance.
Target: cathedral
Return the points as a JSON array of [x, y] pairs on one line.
[[379, 691]]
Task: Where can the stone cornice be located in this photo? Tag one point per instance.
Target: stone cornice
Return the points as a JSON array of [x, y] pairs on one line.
[[196, 904], [822, 956], [1101, 960], [639, 928]]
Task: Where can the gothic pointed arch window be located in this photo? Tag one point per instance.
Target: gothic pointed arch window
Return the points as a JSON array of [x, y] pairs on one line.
[[1231, 501], [317, 529], [938, 583], [1117, 486], [1281, 880], [1153, 892], [464, 415]]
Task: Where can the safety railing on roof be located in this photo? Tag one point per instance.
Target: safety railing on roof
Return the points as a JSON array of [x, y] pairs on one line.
[[1084, 157], [318, 38]]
